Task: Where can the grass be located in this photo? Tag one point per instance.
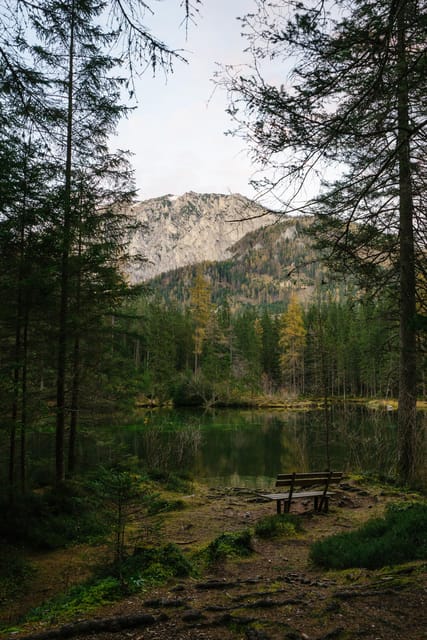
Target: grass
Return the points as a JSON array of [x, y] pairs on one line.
[[400, 536], [78, 600], [277, 525]]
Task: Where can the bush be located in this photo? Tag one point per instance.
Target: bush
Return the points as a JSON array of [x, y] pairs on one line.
[[155, 504], [229, 545], [274, 526], [401, 536], [14, 573], [170, 557], [53, 519], [180, 483]]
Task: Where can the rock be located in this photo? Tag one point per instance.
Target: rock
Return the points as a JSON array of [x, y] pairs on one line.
[[177, 231]]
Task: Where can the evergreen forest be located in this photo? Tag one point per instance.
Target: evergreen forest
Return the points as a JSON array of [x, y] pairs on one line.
[[336, 344], [271, 324], [328, 305]]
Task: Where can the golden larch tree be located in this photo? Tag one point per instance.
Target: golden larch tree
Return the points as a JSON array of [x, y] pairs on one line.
[[292, 340], [201, 309]]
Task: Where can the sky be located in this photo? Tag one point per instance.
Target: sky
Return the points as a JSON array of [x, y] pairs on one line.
[[176, 133]]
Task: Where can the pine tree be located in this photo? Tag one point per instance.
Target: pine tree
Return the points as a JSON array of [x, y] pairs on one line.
[[353, 109], [270, 349]]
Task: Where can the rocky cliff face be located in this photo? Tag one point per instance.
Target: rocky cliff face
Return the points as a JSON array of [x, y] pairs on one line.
[[176, 231]]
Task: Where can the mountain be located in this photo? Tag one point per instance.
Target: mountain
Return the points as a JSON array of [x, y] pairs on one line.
[[175, 231], [264, 268]]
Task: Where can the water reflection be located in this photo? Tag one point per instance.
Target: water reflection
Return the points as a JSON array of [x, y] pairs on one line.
[[238, 448], [248, 448]]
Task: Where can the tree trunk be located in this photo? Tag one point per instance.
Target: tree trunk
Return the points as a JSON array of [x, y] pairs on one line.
[[24, 405], [66, 244], [407, 428], [75, 391]]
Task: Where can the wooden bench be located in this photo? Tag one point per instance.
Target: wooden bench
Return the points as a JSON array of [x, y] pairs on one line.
[[294, 482]]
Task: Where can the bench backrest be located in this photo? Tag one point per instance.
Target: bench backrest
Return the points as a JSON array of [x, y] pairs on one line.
[[308, 479]]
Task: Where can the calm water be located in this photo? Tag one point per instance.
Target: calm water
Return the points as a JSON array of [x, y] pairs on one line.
[[248, 448], [238, 448]]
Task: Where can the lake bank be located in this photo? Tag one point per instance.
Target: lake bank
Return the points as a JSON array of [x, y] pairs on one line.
[[279, 402]]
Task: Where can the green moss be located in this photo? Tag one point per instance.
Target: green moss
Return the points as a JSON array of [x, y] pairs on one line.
[[401, 536], [229, 545]]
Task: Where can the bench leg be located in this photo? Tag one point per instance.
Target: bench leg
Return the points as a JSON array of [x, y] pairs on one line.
[[286, 506], [323, 505], [278, 506]]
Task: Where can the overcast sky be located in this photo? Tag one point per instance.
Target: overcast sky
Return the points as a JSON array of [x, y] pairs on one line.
[[176, 133]]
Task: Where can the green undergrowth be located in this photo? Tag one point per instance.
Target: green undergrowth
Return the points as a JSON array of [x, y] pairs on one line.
[[227, 545], [79, 511], [146, 568], [239, 544], [155, 504], [15, 572], [54, 518], [77, 601], [274, 526], [399, 537], [170, 481], [155, 565]]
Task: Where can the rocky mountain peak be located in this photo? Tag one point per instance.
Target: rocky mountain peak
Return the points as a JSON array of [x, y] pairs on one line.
[[175, 231]]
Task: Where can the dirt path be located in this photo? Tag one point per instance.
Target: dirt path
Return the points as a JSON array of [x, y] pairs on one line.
[[275, 594]]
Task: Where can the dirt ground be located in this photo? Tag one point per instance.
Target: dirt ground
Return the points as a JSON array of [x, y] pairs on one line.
[[275, 594]]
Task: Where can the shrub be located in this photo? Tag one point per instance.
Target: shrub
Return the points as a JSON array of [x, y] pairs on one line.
[[56, 518], [229, 545], [155, 504], [401, 536], [170, 557], [14, 573], [181, 482], [274, 526]]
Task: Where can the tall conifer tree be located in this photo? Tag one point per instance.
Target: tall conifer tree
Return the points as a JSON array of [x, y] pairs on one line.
[[353, 110]]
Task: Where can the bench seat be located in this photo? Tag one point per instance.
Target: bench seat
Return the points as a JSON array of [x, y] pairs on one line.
[[293, 481]]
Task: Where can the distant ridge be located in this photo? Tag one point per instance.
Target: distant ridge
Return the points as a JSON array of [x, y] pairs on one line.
[[264, 269]]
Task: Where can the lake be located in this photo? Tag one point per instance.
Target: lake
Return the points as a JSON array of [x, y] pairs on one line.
[[248, 448]]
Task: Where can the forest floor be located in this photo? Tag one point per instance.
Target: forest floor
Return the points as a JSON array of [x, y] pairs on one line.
[[274, 594]]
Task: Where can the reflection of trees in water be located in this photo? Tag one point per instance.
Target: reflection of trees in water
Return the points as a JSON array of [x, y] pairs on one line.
[[368, 439], [252, 445], [294, 446], [164, 449], [238, 445]]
